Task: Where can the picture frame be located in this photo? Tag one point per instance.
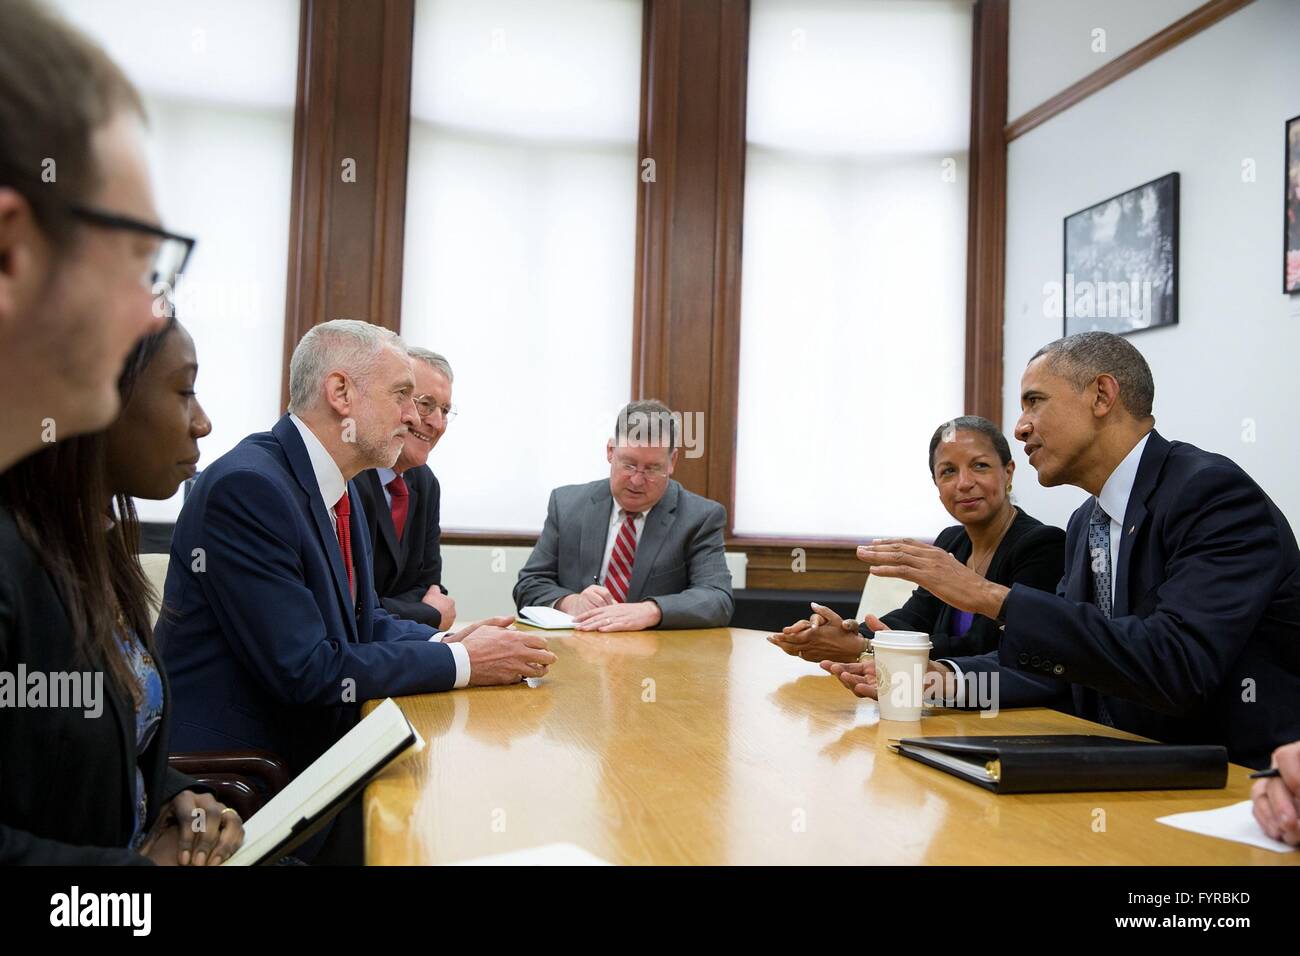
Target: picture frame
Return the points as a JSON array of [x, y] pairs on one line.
[[1121, 261], [1291, 206]]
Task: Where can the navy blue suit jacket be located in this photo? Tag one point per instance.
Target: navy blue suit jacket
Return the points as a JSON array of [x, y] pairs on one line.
[[259, 634], [1203, 645], [405, 570]]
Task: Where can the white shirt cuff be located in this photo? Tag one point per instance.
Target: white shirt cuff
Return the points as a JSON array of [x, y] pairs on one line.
[[952, 701], [460, 655]]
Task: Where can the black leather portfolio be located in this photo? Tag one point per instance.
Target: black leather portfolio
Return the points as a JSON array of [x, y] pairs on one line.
[[1047, 763]]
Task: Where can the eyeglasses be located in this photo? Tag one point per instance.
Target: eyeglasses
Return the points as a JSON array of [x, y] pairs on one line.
[[653, 474], [426, 407], [169, 258]]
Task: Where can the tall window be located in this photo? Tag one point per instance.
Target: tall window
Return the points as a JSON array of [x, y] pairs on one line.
[[853, 282], [219, 82], [520, 240]]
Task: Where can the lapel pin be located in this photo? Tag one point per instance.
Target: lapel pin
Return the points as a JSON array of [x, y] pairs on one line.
[[1132, 528]]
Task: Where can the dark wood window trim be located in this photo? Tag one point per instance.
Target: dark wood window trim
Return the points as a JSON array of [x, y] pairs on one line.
[[354, 103], [686, 311], [986, 225]]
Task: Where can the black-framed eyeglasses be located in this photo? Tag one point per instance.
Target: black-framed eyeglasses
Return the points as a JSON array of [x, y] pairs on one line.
[[169, 258]]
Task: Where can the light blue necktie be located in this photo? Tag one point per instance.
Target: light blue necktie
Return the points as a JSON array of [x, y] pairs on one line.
[[1099, 552]]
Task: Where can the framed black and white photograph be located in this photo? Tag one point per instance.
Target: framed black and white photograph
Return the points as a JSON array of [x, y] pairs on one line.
[[1291, 209], [1121, 261]]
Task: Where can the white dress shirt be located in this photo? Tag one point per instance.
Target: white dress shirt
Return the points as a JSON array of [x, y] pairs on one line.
[[1114, 501], [330, 481], [385, 476], [1114, 497]]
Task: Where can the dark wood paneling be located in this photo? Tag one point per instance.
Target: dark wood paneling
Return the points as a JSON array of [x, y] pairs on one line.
[[789, 566], [987, 220], [1201, 18], [687, 299], [354, 102], [825, 564], [496, 539]]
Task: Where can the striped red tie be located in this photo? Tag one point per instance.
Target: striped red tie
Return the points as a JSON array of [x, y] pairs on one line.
[[618, 575]]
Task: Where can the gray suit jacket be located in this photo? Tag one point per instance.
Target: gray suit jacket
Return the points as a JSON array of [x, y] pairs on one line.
[[679, 559]]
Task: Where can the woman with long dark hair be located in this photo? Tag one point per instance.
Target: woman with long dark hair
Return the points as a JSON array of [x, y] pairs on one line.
[[84, 741]]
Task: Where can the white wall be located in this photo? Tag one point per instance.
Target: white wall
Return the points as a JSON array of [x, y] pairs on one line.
[[1203, 109], [1053, 42]]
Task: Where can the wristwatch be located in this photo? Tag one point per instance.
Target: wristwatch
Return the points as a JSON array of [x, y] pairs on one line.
[[867, 652]]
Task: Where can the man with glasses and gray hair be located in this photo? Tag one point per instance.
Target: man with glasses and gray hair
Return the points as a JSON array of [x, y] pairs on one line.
[[635, 550], [403, 505]]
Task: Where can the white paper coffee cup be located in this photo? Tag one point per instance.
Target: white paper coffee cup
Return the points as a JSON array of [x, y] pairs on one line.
[[902, 658]]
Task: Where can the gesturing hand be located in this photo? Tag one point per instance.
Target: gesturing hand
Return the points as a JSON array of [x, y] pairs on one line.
[[935, 570]]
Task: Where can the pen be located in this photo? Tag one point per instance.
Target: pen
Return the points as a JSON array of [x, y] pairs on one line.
[[1261, 774]]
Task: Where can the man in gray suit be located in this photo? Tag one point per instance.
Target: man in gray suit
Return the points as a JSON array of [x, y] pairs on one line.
[[637, 550]]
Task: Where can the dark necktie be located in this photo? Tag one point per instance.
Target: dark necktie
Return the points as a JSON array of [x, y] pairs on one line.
[[1099, 552], [401, 501]]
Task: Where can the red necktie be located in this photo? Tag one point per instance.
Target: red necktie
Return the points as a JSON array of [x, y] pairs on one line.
[[343, 512], [618, 575], [401, 501]]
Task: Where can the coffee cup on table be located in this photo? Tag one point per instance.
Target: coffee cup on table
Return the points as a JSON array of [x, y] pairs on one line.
[[902, 659]]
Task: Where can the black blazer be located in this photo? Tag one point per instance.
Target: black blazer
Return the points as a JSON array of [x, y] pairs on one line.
[[1203, 643], [1031, 553], [405, 571], [67, 781]]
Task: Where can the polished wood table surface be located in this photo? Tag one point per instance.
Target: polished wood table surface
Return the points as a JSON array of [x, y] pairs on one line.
[[714, 747]]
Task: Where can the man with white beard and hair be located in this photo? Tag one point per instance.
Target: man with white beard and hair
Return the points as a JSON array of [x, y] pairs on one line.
[[272, 633]]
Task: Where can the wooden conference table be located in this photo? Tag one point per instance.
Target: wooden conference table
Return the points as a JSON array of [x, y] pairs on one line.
[[713, 747]]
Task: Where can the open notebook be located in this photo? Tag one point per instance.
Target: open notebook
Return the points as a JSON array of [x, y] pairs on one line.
[[546, 617], [322, 790]]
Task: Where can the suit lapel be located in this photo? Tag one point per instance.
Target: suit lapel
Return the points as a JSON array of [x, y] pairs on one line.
[[1078, 574], [300, 464], [384, 519], [412, 502], [657, 523], [1135, 516], [595, 534]]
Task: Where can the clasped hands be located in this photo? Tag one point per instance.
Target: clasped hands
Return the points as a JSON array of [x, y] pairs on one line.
[[194, 829], [837, 644]]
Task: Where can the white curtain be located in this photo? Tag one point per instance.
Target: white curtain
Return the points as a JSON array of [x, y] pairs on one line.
[[853, 283], [520, 241], [219, 80]]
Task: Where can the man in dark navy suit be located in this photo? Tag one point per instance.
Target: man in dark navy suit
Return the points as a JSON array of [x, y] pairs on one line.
[[1179, 614], [272, 634], [403, 503]]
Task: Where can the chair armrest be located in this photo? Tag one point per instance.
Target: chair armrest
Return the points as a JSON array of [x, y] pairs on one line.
[[264, 768], [238, 793]]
